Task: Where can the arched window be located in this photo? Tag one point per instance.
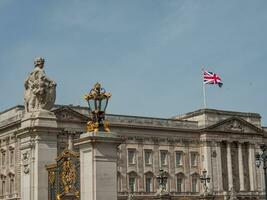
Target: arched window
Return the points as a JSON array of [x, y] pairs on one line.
[[180, 182], [3, 185], [132, 181], [11, 157], [195, 182], [149, 180], [119, 181]]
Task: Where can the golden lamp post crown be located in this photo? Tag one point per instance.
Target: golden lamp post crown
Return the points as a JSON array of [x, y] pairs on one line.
[[97, 100]]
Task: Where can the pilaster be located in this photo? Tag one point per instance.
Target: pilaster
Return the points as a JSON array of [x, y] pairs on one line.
[[229, 167], [218, 173], [240, 165], [252, 170], [207, 161]]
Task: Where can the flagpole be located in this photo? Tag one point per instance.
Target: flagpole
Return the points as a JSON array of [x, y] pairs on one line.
[[204, 89]]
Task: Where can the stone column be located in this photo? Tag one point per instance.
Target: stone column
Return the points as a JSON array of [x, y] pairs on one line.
[[240, 164], [187, 167], [140, 166], [218, 174], [207, 162], [251, 164], [98, 160], [229, 166], [172, 164], [38, 147], [124, 168], [259, 173]]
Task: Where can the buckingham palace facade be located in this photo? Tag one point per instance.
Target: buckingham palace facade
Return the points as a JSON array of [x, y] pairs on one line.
[[222, 142]]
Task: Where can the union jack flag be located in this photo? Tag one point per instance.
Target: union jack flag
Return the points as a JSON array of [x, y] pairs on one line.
[[211, 78]]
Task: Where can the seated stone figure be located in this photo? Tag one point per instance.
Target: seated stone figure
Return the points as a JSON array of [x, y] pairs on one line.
[[40, 91]]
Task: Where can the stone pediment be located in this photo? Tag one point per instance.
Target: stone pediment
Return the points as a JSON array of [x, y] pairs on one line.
[[236, 125], [66, 113]]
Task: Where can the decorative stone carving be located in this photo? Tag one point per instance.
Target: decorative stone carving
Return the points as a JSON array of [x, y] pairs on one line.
[[235, 126], [40, 91], [26, 162]]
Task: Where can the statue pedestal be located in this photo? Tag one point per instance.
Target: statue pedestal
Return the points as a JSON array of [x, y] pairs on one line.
[[166, 196], [207, 197], [37, 138], [98, 161], [41, 118]]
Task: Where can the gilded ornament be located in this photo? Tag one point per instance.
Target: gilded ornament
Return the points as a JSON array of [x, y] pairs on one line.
[[52, 177], [68, 176], [106, 126], [97, 100], [92, 126]]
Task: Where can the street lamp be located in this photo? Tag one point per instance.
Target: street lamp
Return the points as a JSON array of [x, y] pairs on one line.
[[204, 178], [97, 100], [162, 179], [262, 158]]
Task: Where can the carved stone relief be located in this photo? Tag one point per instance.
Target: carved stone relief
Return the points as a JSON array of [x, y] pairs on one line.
[[26, 162], [235, 125]]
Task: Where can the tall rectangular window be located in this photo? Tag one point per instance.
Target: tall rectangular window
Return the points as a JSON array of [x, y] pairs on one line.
[[3, 158], [11, 157], [193, 158], [148, 157], [131, 156], [132, 184], [194, 184], [3, 187], [179, 184], [11, 186], [179, 159], [148, 184], [163, 158]]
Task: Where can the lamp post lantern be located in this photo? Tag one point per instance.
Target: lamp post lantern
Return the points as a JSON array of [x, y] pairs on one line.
[[262, 158], [204, 179], [97, 100], [162, 180]]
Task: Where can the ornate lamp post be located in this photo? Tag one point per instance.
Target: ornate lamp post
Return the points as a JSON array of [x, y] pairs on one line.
[[263, 158], [204, 179], [162, 193], [162, 180], [97, 100]]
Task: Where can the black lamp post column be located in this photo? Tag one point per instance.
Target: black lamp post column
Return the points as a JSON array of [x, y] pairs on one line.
[[263, 158], [162, 193], [204, 179]]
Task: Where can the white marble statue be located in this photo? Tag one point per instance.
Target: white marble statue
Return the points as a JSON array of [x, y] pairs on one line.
[[40, 91]]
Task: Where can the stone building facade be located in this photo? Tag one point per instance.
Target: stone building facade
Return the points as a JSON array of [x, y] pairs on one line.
[[222, 142]]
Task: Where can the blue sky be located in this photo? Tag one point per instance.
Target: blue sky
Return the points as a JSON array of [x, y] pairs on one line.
[[149, 54]]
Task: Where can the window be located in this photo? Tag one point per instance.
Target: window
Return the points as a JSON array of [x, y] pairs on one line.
[[11, 157], [3, 158], [194, 184], [148, 184], [132, 184], [11, 186], [193, 159], [148, 157], [179, 184], [163, 157], [131, 156], [3, 187], [179, 159], [119, 182]]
